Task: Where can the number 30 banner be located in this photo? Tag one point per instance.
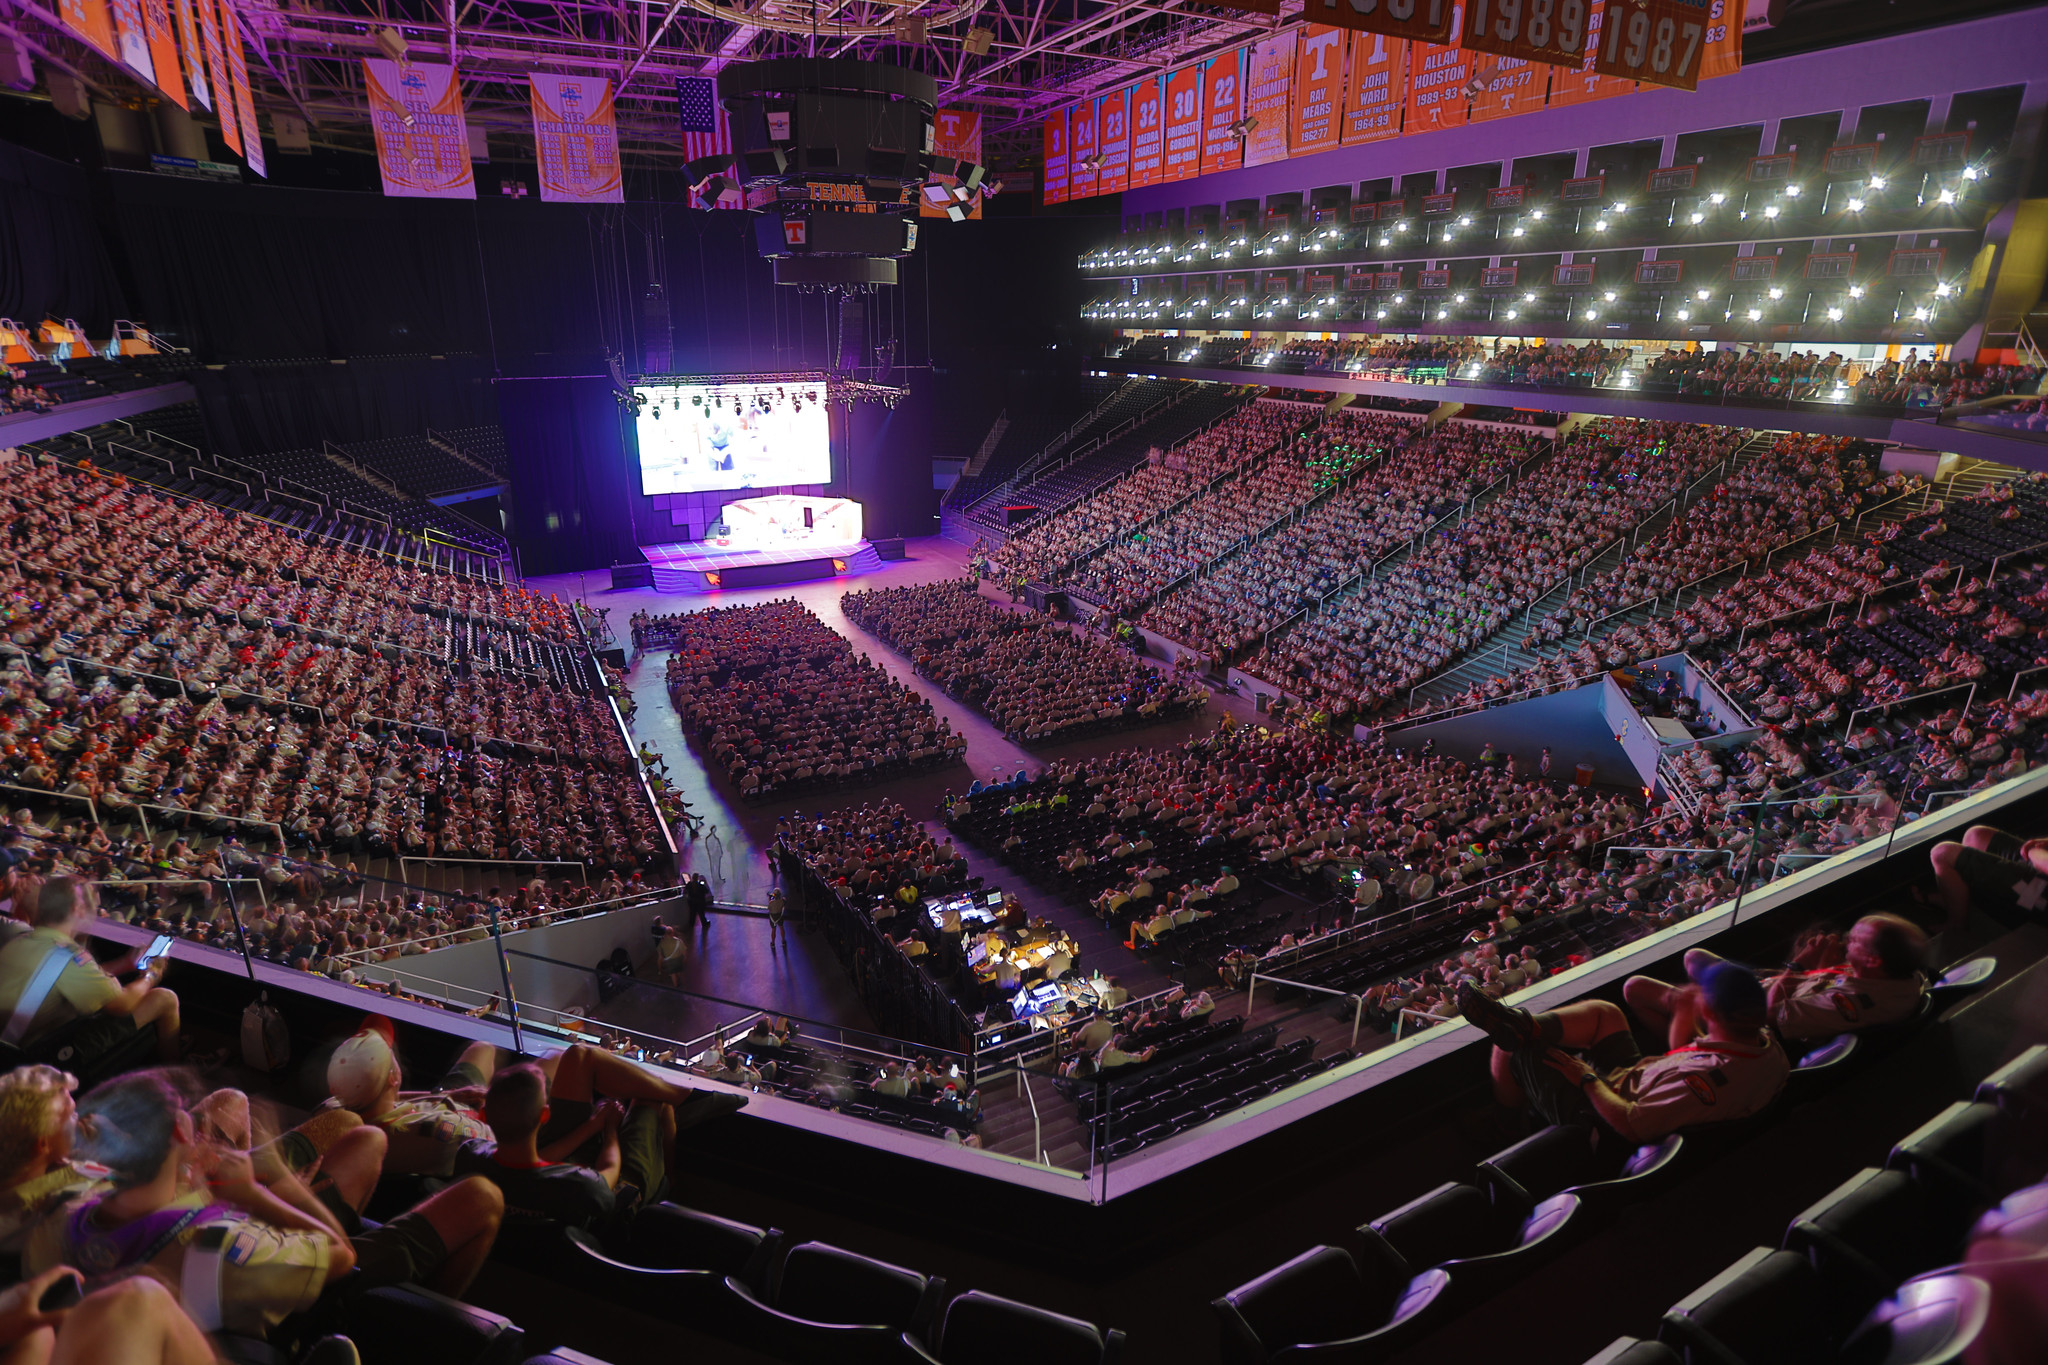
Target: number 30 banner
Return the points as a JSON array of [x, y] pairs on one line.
[[1659, 41]]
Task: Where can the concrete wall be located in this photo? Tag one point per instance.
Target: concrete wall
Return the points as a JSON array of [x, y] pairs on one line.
[[1572, 725], [1637, 740]]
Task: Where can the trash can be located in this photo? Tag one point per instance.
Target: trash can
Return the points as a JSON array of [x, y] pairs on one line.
[[1260, 702], [1583, 775]]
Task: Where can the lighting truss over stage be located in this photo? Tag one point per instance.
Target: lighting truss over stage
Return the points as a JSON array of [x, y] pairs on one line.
[[798, 386]]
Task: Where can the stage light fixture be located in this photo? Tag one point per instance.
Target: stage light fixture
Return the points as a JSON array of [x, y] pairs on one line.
[[978, 41], [391, 43]]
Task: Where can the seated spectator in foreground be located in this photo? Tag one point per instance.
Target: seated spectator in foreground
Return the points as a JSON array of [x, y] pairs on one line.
[[428, 1128], [1580, 1064], [2002, 871], [542, 1182], [68, 999], [38, 1127], [1836, 985], [278, 1246], [135, 1321]]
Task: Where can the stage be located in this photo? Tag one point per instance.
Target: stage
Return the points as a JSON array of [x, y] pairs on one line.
[[698, 567]]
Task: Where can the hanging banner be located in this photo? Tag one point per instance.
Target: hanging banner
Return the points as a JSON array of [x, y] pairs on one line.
[[1113, 140], [217, 72], [1184, 123], [1587, 84], [1148, 134], [422, 137], [1658, 41], [1508, 86], [1223, 104], [89, 20], [1551, 31], [1084, 139], [1318, 89], [1437, 77], [1724, 41], [162, 27], [576, 140], [194, 48], [1054, 188], [1376, 91], [238, 81], [957, 134], [1266, 98], [131, 37], [1429, 21]]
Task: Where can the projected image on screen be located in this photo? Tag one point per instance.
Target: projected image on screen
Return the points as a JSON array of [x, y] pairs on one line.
[[699, 437]]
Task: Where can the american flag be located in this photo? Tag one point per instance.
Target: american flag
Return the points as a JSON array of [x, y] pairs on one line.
[[703, 122]]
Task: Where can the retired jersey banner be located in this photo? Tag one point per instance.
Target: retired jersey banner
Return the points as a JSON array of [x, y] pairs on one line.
[[1551, 31], [422, 137], [1266, 98], [576, 139], [90, 21], [1053, 190], [238, 81], [1084, 140], [1431, 21], [1148, 134], [1377, 89], [1587, 84], [957, 133], [1222, 104], [1113, 140], [1659, 41], [1724, 40], [1318, 89], [1437, 77], [217, 71], [131, 37], [162, 26], [1184, 123], [194, 48], [1508, 86]]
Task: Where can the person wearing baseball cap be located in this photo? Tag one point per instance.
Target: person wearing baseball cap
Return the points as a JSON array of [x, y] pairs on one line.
[[1580, 1064]]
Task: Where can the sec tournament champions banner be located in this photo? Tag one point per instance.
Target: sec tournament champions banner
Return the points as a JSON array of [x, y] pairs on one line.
[[957, 133], [1055, 188], [1318, 89], [194, 48], [1184, 123], [90, 21], [217, 71], [1377, 90], [577, 140], [245, 103], [1223, 100], [1266, 99], [1113, 140], [422, 138]]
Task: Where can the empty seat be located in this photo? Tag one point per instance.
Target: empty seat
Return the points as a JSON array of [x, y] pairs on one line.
[[1932, 1320], [982, 1329], [1634, 1351], [1762, 1310], [1482, 1246], [563, 1355], [2023, 1081], [670, 1237], [1324, 1302], [1954, 1155], [406, 1322], [823, 1303], [1865, 1236]]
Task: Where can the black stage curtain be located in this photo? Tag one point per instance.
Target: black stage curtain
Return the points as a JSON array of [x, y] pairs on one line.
[[572, 484], [250, 409], [53, 262]]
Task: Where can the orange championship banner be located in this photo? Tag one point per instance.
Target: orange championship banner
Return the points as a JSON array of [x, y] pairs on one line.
[[195, 53], [1437, 77], [1083, 133], [1318, 89], [162, 26], [1550, 31], [1222, 103], [90, 21], [1425, 21], [1266, 98], [238, 81], [422, 137], [1113, 140], [1507, 86], [1587, 84], [1724, 39], [1148, 134], [1184, 123], [1658, 41], [1053, 189], [576, 139], [1376, 91], [217, 72]]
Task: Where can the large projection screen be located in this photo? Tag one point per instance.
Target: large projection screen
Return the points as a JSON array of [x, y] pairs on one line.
[[695, 438]]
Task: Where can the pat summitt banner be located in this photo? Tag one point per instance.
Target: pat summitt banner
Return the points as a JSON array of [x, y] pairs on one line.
[[422, 138], [577, 138]]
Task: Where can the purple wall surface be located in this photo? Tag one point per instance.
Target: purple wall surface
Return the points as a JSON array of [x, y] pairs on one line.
[[2009, 49]]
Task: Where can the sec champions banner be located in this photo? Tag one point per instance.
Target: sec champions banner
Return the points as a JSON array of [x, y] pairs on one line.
[[422, 138], [577, 140]]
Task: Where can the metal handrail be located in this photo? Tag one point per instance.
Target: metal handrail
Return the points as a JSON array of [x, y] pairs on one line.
[[581, 867], [1991, 574], [1849, 727]]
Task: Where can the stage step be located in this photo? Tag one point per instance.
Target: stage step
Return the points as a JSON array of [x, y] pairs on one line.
[[753, 572]]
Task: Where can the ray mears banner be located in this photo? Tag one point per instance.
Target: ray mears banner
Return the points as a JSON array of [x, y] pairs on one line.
[[576, 136], [422, 137]]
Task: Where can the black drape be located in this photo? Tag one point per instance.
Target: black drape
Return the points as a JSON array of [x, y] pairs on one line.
[[52, 259], [250, 409], [571, 481]]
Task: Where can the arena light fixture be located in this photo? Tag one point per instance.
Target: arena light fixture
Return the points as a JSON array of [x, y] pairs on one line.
[[1834, 315], [1791, 191], [1947, 196], [1701, 295], [1592, 314], [1621, 208], [1770, 211], [1717, 197], [1944, 289], [1698, 218], [1519, 231], [1536, 215], [1921, 315], [1971, 172], [1777, 291], [1684, 314], [1756, 315], [1600, 225], [1513, 313], [1854, 206], [1608, 296], [1877, 182], [1529, 297], [1855, 291], [1460, 298]]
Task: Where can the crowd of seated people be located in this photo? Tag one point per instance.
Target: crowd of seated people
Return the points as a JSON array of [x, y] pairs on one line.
[[1038, 680], [1164, 479], [1131, 572], [1364, 651], [1559, 365], [1912, 381], [22, 396], [1241, 599], [778, 701]]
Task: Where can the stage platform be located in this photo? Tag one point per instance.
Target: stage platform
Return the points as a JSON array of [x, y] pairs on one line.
[[697, 567]]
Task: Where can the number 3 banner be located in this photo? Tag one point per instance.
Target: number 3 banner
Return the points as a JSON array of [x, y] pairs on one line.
[[1659, 41]]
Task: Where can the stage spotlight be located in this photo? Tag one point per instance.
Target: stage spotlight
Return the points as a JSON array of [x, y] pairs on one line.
[[938, 193], [978, 41], [971, 174]]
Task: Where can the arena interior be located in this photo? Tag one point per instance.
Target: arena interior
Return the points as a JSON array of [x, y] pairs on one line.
[[998, 682]]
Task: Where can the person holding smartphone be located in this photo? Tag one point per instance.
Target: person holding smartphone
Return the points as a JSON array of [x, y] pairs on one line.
[[136, 1321], [52, 990]]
